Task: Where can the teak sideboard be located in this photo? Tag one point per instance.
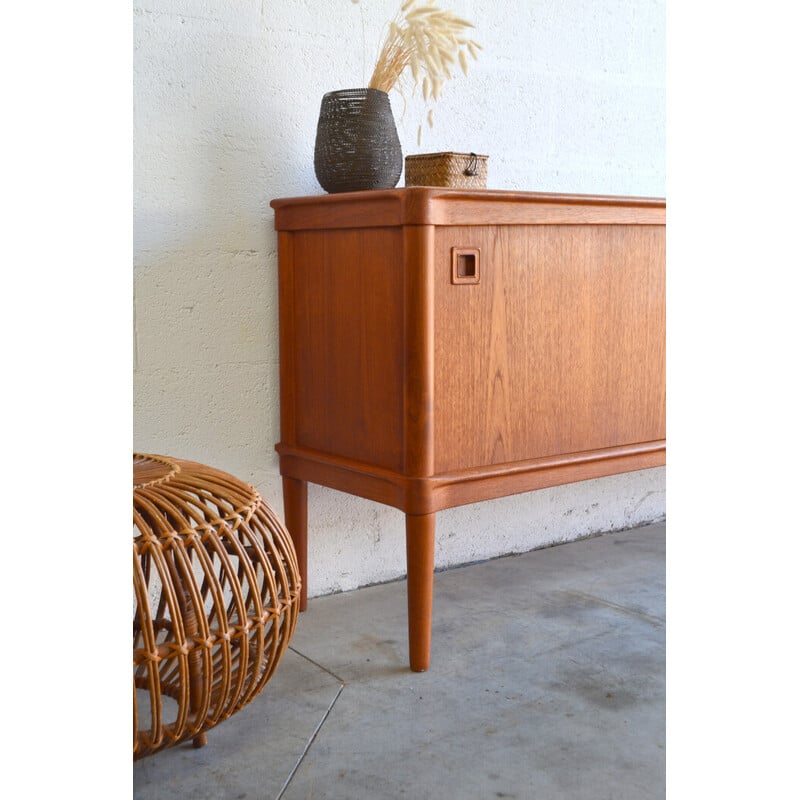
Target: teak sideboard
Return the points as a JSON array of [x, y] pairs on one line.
[[440, 347]]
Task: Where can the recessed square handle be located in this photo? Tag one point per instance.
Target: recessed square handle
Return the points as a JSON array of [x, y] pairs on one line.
[[465, 265]]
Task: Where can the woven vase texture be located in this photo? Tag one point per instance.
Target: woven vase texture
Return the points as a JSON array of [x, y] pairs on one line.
[[357, 146], [457, 170], [216, 590]]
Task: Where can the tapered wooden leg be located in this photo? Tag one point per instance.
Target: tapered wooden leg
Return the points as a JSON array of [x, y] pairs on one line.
[[295, 510], [419, 559]]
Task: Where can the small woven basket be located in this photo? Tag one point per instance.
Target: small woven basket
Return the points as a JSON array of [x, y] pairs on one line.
[[458, 170]]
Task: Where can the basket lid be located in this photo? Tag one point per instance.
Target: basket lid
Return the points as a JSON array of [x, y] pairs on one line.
[[445, 153]]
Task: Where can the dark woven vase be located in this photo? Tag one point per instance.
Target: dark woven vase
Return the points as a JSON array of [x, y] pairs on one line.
[[357, 146]]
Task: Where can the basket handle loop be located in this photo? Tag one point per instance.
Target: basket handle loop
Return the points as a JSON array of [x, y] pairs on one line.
[[472, 166]]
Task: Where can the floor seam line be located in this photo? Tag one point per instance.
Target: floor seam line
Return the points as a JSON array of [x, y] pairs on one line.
[[309, 743], [317, 664], [618, 607]]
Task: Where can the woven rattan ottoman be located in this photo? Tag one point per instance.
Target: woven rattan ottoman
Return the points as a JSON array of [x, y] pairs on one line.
[[216, 593]]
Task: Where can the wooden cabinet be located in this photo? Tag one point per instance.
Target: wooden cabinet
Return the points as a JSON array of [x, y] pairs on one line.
[[441, 347]]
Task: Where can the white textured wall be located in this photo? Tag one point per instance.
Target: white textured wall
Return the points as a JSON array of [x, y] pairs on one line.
[[568, 96]]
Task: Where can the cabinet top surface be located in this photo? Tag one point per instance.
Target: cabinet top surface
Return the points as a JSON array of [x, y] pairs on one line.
[[442, 206]]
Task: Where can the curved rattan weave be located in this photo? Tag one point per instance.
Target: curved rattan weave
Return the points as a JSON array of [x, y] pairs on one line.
[[216, 590], [357, 146]]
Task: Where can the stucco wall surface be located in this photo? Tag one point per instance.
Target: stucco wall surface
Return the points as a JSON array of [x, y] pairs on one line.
[[567, 96]]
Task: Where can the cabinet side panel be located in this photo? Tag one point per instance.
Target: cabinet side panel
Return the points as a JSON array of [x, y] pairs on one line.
[[286, 334], [558, 349], [347, 350]]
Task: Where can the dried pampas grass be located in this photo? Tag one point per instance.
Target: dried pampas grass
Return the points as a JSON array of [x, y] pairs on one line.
[[428, 41]]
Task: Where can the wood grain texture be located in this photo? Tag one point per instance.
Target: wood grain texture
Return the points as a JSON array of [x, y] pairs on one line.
[[436, 206], [425, 495], [347, 346], [420, 537], [295, 510], [418, 272], [559, 349], [424, 382], [286, 335]]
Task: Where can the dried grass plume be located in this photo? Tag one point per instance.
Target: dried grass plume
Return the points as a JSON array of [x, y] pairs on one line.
[[428, 41]]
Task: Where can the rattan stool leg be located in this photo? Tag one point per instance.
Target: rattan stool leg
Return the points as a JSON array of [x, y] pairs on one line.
[[196, 689], [196, 692]]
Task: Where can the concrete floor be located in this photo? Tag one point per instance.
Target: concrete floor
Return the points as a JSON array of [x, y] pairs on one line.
[[546, 682]]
